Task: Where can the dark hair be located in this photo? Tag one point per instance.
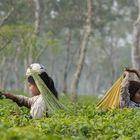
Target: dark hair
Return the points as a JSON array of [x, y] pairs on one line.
[[134, 86], [47, 80]]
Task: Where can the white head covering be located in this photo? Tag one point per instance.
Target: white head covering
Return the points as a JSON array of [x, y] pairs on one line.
[[39, 68]]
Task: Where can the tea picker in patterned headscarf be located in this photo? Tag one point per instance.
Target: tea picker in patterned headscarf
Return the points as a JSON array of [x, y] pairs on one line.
[[130, 90], [36, 103]]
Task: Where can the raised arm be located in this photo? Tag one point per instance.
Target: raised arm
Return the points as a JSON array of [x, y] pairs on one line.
[[124, 93], [19, 99], [132, 70]]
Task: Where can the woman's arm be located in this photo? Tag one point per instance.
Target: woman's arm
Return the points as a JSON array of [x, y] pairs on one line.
[[124, 93], [19, 99], [137, 72]]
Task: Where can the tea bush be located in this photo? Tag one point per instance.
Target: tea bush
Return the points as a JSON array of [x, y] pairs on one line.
[[83, 122]]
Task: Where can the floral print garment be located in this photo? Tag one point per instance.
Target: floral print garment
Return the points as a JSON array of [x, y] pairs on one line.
[[125, 95]]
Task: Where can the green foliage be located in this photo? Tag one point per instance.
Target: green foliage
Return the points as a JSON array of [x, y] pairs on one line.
[[1, 94], [14, 36], [15, 30], [85, 122], [52, 42]]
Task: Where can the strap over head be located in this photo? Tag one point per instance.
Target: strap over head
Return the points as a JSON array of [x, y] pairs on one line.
[[39, 68]]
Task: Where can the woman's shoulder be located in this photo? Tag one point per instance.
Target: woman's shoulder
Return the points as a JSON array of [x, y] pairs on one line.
[[34, 98], [133, 104], [39, 98]]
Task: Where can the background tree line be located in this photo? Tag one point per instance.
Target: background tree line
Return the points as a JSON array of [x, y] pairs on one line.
[[84, 44]]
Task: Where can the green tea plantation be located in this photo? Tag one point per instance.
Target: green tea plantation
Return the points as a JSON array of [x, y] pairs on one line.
[[83, 122]]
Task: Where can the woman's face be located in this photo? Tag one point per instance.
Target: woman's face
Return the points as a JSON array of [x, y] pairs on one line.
[[33, 89], [136, 98]]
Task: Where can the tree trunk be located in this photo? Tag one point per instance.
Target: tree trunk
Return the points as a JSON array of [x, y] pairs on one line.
[[136, 42], [15, 70], [36, 29], [37, 17], [29, 59], [67, 63], [112, 57], [6, 16], [6, 72], [97, 83], [3, 62], [25, 67], [84, 44]]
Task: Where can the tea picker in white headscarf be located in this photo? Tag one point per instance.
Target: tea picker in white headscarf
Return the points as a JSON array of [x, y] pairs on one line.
[[35, 103]]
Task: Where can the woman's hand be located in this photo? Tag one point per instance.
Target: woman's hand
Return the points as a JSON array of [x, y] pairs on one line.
[[4, 94], [1, 95], [125, 74], [7, 94]]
